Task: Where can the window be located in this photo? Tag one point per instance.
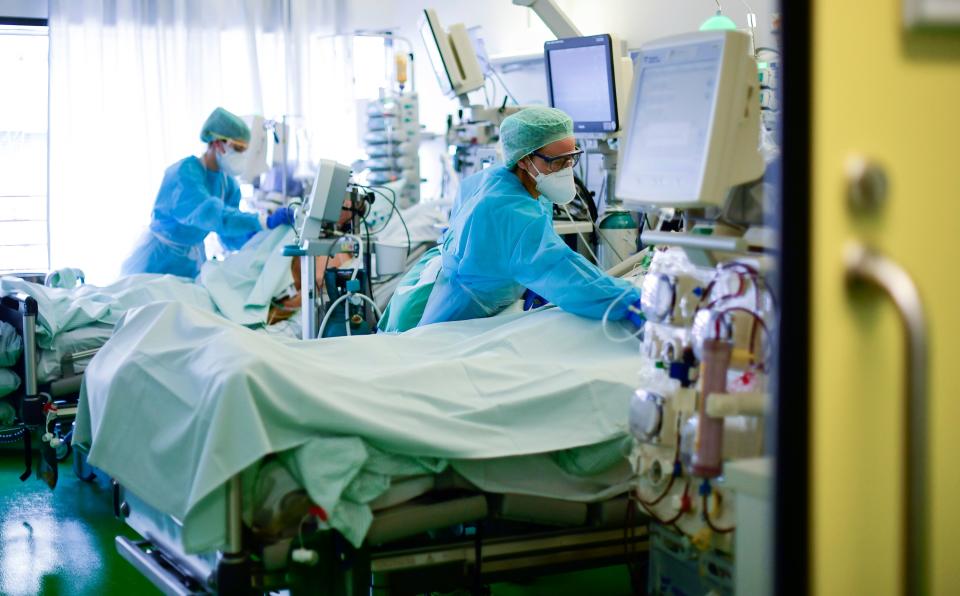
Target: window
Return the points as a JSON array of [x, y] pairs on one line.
[[24, 241]]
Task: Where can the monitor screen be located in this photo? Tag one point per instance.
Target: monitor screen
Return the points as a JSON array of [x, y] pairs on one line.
[[580, 81], [670, 123], [431, 31]]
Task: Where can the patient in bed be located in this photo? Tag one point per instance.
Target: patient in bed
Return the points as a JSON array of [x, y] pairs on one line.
[[289, 302]]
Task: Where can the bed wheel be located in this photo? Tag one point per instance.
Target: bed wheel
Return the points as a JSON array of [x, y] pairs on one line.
[[233, 575], [63, 451], [80, 468]]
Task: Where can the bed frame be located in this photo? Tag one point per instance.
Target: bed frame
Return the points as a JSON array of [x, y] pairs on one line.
[[465, 541]]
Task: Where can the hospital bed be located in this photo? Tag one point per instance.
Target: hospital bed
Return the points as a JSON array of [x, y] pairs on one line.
[[50, 380], [60, 330], [48, 377], [499, 506], [53, 373]]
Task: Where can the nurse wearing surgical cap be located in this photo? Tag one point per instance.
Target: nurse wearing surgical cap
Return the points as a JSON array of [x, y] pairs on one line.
[[200, 195], [501, 240]]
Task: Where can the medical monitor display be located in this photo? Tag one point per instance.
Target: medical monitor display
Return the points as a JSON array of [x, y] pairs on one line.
[[324, 204], [672, 118], [435, 41], [694, 125], [580, 81]]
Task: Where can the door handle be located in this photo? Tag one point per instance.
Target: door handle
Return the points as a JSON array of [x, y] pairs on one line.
[[865, 266]]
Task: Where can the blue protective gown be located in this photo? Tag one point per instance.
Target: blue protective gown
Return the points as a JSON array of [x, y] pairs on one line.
[[500, 241], [191, 203]]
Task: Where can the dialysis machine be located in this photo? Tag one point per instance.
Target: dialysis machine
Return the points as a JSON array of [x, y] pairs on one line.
[[693, 134]]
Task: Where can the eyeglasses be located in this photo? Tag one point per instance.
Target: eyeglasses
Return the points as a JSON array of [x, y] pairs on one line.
[[559, 162], [238, 146]]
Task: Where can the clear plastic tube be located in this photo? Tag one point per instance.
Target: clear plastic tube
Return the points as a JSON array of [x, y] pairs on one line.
[[606, 317], [584, 240], [333, 306], [326, 316]]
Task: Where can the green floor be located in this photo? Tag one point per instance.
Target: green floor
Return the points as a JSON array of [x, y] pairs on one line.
[[61, 542]]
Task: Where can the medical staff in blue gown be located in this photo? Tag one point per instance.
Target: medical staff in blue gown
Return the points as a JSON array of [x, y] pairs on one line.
[[200, 195], [501, 241]]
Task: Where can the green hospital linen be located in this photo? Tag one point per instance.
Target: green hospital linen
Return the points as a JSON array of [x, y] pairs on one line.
[[180, 400], [410, 298], [239, 288], [242, 286], [10, 345], [9, 382]]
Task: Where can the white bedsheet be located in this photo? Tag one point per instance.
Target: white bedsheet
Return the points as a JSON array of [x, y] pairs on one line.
[[180, 400]]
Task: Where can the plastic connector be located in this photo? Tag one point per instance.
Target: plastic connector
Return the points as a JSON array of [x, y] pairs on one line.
[[681, 372], [353, 286], [293, 250], [305, 556], [31, 410], [705, 488], [702, 539], [686, 503]]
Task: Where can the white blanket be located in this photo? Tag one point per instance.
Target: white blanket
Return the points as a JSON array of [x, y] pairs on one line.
[[179, 400]]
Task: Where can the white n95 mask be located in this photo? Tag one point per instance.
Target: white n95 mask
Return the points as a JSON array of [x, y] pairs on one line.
[[558, 187], [232, 162]]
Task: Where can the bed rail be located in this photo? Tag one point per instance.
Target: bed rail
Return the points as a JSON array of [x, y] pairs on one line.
[[160, 570]]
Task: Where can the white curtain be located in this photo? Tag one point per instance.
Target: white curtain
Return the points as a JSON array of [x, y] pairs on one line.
[[131, 82]]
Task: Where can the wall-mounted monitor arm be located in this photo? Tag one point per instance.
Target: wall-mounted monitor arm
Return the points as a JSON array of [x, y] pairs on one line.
[[551, 15]]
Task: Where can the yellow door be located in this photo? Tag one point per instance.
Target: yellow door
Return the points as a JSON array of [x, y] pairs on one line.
[[890, 98]]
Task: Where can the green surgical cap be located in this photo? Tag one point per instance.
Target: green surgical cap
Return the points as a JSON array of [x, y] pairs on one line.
[[530, 129], [221, 124]]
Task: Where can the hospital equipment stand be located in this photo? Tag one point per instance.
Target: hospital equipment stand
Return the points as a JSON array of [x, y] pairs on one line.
[[308, 275]]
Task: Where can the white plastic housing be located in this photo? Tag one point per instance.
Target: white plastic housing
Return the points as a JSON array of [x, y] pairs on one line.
[[256, 153], [326, 198], [693, 128], [452, 55]]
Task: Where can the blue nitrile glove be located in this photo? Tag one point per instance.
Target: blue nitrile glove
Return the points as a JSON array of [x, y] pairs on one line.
[[635, 315], [533, 300], [282, 216]]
